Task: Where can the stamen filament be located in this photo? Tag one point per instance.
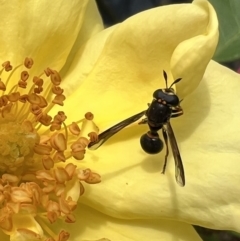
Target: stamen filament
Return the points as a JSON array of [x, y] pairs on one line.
[[66, 131], [2, 71], [10, 75], [79, 121], [24, 112], [14, 89]]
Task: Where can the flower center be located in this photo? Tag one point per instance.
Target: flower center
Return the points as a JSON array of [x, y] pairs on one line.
[[16, 147], [34, 147]]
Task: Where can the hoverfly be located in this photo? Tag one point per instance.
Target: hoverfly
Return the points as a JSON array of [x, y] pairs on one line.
[[165, 105]]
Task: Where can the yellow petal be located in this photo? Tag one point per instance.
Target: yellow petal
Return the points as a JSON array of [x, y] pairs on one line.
[[45, 31], [94, 225], [191, 57], [208, 136]]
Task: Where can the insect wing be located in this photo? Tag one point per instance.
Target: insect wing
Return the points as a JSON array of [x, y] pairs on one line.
[[179, 170], [104, 136]]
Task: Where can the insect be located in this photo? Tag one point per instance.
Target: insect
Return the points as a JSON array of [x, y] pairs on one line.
[[165, 105]]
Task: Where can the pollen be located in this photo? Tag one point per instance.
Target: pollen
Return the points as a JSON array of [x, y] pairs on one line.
[[38, 177]]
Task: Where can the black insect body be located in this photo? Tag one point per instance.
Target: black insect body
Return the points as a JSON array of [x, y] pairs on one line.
[[165, 105]]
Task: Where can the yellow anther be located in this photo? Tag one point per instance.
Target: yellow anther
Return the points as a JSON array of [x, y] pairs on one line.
[[6, 220], [63, 236], [45, 119], [3, 100], [70, 219], [35, 109], [48, 72], [24, 75], [22, 84], [38, 90], [44, 175], [83, 174], [10, 178], [93, 136], [13, 97], [57, 90], [59, 157], [58, 142], [70, 169], [6, 110], [47, 162], [42, 149], [43, 103], [55, 127], [7, 66], [28, 63], [83, 141], [74, 129], [64, 207], [58, 99], [55, 78], [23, 98], [2, 85], [27, 126], [93, 178], [34, 99], [61, 175], [20, 195], [37, 81], [89, 116], [60, 117]]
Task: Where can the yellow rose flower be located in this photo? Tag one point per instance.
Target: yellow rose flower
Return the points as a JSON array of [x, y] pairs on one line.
[[113, 75]]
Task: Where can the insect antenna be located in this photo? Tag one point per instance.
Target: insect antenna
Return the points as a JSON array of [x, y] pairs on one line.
[[174, 82], [165, 77]]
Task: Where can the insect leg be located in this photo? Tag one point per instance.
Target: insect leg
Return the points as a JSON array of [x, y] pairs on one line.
[[178, 111]]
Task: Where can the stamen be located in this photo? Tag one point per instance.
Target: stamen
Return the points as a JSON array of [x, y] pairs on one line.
[[28, 63], [55, 78], [7, 66], [34, 146], [24, 75], [74, 129]]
